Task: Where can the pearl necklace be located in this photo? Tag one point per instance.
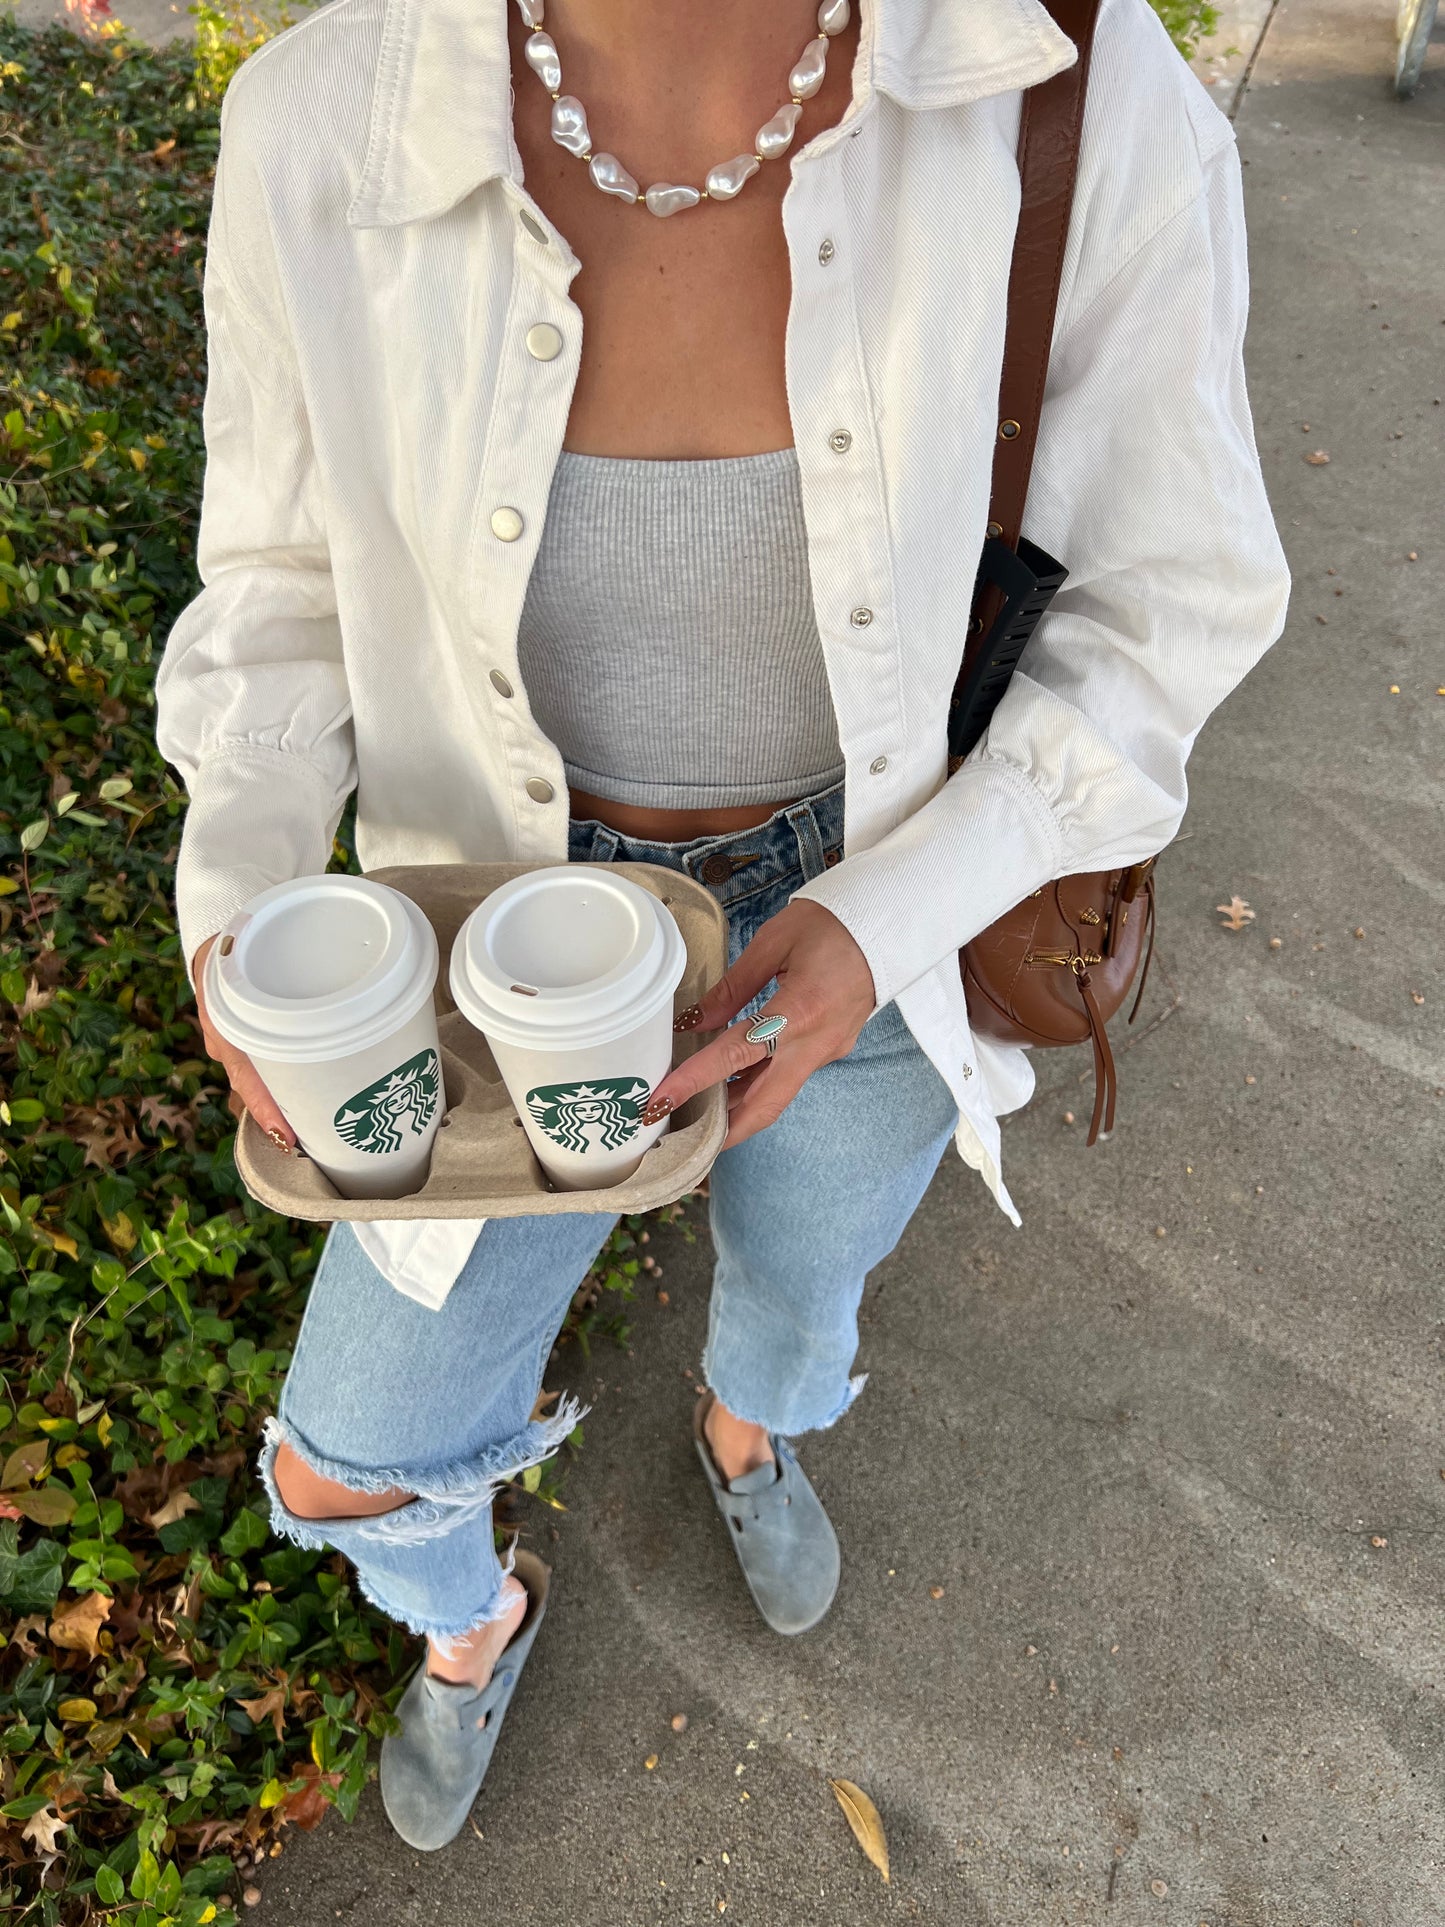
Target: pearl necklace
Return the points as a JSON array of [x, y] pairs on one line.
[[569, 119]]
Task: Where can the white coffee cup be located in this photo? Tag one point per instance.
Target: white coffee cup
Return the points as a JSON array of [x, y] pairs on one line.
[[327, 984], [569, 973]]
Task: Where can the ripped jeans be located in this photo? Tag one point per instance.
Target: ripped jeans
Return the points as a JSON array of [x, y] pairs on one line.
[[383, 1392]]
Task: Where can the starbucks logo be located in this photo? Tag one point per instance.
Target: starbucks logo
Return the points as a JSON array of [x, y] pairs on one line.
[[568, 1113], [399, 1105]]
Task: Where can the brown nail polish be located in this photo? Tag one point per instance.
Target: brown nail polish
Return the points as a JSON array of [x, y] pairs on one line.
[[657, 1109], [688, 1019], [279, 1141]]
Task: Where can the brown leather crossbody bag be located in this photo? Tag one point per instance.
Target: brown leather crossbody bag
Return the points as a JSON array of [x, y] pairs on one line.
[[1057, 966]]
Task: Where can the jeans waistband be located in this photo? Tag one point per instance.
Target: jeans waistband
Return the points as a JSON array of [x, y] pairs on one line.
[[796, 844]]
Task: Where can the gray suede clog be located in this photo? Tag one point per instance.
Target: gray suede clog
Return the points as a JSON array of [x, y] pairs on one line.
[[783, 1538], [432, 1770]]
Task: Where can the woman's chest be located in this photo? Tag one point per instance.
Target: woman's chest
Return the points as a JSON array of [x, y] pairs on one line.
[[684, 318]]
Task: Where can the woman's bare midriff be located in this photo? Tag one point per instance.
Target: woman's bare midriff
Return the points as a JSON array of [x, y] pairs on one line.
[[684, 319]]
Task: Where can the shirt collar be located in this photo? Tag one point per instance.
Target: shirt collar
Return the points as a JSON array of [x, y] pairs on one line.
[[441, 102]]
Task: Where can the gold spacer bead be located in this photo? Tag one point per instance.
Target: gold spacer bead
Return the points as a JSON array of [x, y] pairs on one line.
[[703, 195], [555, 97], [797, 99]]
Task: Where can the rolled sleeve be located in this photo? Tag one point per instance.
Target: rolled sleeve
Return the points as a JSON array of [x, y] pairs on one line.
[[1147, 485], [253, 706]]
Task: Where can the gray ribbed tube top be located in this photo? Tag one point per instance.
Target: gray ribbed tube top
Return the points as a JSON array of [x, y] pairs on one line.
[[668, 643]]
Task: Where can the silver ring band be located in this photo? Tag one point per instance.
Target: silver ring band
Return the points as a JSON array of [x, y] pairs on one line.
[[766, 1031]]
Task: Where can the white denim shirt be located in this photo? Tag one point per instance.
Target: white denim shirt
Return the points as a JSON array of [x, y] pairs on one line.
[[384, 408]]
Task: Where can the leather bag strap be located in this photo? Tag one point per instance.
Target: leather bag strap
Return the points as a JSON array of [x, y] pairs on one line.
[[1051, 119]]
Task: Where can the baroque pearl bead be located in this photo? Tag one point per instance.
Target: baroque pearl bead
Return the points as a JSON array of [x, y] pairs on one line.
[[776, 136], [541, 54], [664, 199], [726, 179], [531, 11], [807, 77], [833, 16], [569, 125], [612, 177]]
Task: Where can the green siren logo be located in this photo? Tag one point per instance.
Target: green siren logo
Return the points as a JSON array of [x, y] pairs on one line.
[[569, 1112], [400, 1104]]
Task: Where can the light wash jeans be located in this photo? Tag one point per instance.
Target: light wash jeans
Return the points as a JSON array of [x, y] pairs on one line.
[[384, 1392]]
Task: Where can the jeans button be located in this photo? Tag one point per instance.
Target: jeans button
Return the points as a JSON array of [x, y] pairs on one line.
[[830, 857], [716, 868]]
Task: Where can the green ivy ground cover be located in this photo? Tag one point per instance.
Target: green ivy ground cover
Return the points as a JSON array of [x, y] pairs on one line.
[[176, 1689]]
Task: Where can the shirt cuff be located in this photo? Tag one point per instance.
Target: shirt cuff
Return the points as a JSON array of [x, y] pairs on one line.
[[257, 817], [982, 843]]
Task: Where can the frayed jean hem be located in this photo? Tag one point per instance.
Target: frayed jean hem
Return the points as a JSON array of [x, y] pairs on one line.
[[793, 1423], [449, 1497]]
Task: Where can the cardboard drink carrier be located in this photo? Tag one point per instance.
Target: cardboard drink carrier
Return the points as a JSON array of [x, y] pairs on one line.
[[482, 1164]]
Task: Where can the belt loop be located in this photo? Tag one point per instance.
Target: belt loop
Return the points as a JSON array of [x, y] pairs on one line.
[[804, 819], [605, 844]]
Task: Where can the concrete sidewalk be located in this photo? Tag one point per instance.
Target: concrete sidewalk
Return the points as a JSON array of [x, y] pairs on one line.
[[1173, 1451], [1183, 1493]]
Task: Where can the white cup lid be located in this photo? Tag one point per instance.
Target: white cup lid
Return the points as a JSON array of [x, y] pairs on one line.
[[564, 957], [319, 967]]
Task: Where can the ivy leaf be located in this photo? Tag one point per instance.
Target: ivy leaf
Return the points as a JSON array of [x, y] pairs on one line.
[[34, 834], [52, 1505]]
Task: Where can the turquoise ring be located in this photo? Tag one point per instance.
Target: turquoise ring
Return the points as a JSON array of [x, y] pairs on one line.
[[766, 1031]]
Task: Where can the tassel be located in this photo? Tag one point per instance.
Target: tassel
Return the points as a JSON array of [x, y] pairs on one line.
[[1105, 1079]]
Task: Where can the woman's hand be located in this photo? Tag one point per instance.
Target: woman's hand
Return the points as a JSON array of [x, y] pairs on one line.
[[248, 1093], [825, 990]]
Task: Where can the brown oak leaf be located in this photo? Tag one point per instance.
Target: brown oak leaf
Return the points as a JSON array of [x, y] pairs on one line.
[[1237, 914], [78, 1623]]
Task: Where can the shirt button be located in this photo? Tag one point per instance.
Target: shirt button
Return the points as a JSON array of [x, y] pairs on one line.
[[506, 524], [840, 441], [533, 226], [500, 683], [968, 1070], [826, 252], [544, 342], [539, 789], [861, 618], [878, 765]]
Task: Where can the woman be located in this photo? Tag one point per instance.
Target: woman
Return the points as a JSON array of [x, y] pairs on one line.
[[675, 568]]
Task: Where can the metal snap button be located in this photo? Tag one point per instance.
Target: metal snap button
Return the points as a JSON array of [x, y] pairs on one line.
[[878, 765], [544, 342], [539, 789], [861, 618], [500, 683], [506, 524], [533, 226], [826, 252], [840, 441], [716, 868]]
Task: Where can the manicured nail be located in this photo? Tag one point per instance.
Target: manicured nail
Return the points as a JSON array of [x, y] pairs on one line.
[[689, 1019], [657, 1109], [279, 1141]]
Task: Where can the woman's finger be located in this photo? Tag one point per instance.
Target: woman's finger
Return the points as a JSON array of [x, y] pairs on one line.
[[724, 1057], [754, 971]]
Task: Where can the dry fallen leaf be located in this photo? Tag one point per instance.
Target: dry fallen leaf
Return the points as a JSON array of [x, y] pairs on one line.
[[935, 1592], [679, 1722], [862, 1817], [270, 1705], [1237, 914], [176, 1506], [77, 1624], [42, 1828], [1318, 459]]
